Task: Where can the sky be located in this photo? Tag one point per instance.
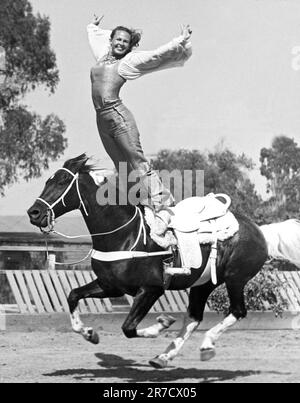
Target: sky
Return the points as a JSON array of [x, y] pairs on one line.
[[241, 87]]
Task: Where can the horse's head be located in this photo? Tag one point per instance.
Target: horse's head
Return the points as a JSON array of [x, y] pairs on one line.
[[60, 195]]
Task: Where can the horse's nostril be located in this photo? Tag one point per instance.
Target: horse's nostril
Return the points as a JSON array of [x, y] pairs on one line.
[[34, 214]]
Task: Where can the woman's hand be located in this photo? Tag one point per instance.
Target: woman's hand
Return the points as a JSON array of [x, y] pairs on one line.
[[186, 32], [97, 20]]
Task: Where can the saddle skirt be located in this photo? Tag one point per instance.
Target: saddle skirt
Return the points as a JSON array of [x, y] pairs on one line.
[[197, 221]]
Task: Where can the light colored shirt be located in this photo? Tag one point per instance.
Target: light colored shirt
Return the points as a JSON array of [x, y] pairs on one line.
[[138, 63]]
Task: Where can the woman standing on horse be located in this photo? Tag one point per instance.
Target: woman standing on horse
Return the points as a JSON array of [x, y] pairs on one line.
[[117, 62]]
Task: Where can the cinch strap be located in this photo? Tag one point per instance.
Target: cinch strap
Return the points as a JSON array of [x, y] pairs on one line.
[[117, 256]]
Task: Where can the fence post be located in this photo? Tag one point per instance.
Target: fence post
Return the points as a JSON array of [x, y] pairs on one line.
[[51, 261], [2, 318]]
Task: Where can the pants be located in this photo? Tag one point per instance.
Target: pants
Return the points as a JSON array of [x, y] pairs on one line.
[[121, 139]]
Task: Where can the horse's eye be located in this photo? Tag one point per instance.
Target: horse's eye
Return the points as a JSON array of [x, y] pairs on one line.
[[62, 179]]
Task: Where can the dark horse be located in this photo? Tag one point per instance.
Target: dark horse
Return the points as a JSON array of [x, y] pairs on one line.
[[239, 259]]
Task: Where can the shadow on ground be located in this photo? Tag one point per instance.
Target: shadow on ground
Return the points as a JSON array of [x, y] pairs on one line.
[[114, 366]]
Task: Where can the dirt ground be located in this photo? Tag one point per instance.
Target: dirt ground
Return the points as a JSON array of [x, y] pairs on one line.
[[55, 357]]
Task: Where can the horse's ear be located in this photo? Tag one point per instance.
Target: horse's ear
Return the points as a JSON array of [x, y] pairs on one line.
[[82, 160]]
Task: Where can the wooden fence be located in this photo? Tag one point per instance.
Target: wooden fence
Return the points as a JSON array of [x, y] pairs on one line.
[[46, 291]]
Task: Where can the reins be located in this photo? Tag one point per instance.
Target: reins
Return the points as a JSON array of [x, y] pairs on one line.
[[100, 233]]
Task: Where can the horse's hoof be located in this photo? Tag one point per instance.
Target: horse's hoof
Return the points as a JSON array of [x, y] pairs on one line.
[[158, 363], [207, 354], [95, 338], [92, 336]]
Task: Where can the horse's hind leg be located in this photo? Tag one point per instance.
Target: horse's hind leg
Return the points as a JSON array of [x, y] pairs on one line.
[[197, 301], [90, 290], [162, 360], [237, 311]]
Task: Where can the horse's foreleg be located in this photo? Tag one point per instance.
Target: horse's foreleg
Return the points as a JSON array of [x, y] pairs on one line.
[[197, 300], [237, 311], [91, 290], [144, 300]]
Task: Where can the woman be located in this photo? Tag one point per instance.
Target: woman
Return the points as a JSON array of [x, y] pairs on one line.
[[117, 62]]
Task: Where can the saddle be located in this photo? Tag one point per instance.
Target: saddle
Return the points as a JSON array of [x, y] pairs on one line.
[[197, 221]]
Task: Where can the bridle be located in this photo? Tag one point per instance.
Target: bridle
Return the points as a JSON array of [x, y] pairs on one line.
[[50, 211], [113, 256], [51, 214]]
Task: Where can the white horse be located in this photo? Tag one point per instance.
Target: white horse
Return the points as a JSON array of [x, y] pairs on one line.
[[283, 240]]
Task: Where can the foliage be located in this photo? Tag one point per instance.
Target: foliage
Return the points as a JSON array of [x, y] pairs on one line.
[[35, 142], [262, 294], [25, 37], [280, 164], [227, 173], [224, 172], [27, 142]]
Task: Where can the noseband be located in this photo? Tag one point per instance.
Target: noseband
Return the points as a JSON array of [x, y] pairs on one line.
[[51, 214]]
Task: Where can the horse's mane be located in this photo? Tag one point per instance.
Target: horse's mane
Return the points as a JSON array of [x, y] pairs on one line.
[[80, 164]]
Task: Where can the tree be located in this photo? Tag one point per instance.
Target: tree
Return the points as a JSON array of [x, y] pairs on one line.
[[224, 172], [180, 161], [280, 164], [27, 142], [227, 173]]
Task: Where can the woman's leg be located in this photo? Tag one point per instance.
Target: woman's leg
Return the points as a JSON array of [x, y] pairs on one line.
[[121, 140], [109, 144], [128, 142]]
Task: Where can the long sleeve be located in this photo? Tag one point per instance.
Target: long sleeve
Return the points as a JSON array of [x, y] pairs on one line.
[[98, 40], [173, 54]]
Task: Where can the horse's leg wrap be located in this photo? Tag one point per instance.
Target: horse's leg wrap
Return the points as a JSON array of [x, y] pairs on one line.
[[77, 325], [164, 322], [90, 290], [208, 349]]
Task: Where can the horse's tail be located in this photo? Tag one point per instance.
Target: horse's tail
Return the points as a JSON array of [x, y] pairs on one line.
[[283, 240]]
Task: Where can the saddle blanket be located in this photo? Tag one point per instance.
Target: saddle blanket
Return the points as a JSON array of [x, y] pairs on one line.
[[210, 232], [199, 221]]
